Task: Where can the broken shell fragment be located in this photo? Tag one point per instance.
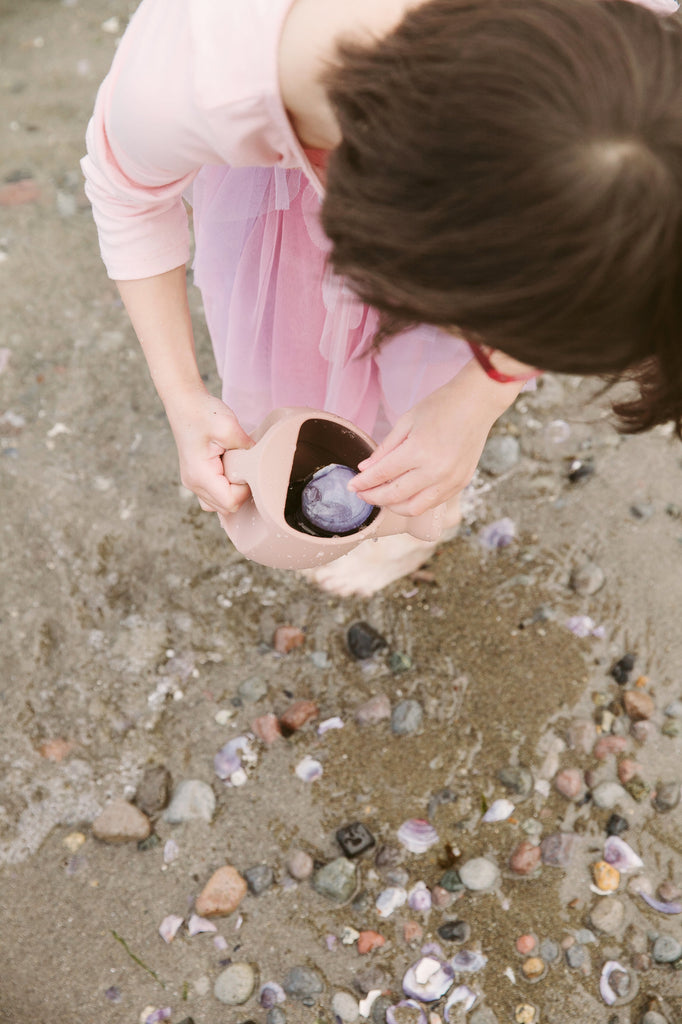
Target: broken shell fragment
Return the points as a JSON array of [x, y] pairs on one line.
[[621, 856], [327, 503], [417, 835], [468, 961], [417, 1017], [499, 810], [428, 979], [197, 925], [308, 769], [390, 899], [271, 994], [660, 905], [461, 994], [168, 928], [419, 897], [618, 985]]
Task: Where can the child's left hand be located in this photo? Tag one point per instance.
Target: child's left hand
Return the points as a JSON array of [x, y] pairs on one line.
[[432, 452]]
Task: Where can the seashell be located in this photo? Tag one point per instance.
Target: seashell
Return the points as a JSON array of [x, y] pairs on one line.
[[271, 994], [581, 625], [365, 1005], [499, 810], [499, 534], [168, 928], [419, 897], [197, 925], [329, 723], [220, 943], [171, 851], [608, 994], [327, 503], [308, 769], [390, 899], [468, 961], [412, 1003], [417, 835], [428, 979], [660, 905], [156, 1016], [460, 994], [620, 855], [227, 763]]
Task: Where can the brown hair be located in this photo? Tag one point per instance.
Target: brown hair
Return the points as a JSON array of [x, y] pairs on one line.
[[514, 168]]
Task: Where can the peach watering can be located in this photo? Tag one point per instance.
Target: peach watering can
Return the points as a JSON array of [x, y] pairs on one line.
[[293, 445]]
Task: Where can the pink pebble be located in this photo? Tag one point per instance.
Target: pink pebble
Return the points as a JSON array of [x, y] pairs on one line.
[[627, 769], [607, 745], [526, 944], [569, 782]]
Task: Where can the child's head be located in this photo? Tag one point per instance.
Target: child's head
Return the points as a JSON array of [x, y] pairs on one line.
[[513, 169]]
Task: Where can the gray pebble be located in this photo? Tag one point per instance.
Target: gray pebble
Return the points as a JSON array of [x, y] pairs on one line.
[[345, 1007], [674, 709], [235, 984], [276, 1015], [192, 799], [259, 878], [667, 796], [336, 880], [587, 579], [252, 689], [303, 982], [482, 1015], [576, 956], [379, 1008], [406, 718], [500, 455], [371, 978], [652, 1017], [154, 789], [607, 916], [666, 949], [642, 510], [550, 951], [609, 794], [517, 779], [479, 874], [585, 937]]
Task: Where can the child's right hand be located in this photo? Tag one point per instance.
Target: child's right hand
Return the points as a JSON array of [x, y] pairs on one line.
[[205, 428]]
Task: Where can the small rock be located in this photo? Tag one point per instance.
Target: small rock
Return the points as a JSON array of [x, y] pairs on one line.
[[303, 982], [192, 799], [549, 951], [479, 874], [454, 931], [354, 839], [388, 856], [363, 640], [375, 710], [666, 949], [674, 709], [154, 789], [671, 728], [581, 734], [371, 978], [627, 769], [300, 865], [607, 745], [276, 1015], [441, 898], [345, 1007], [235, 984], [380, 1007], [534, 968], [525, 858], [406, 718], [120, 822], [288, 638], [607, 916], [637, 788], [297, 714], [668, 892], [57, 749], [652, 1017], [556, 850], [569, 782], [17, 193], [607, 794], [666, 797], [580, 470], [623, 667], [222, 894], [639, 705], [252, 689], [336, 880], [641, 731], [399, 662], [606, 877], [642, 510], [617, 824], [517, 779], [500, 455], [412, 932], [369, 940], [482, 1015], [266, 728], [259, 878], [526, 944], [576, 956], [587, 579]]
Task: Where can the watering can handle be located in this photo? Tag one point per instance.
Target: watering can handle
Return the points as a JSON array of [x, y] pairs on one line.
[[237, 463]]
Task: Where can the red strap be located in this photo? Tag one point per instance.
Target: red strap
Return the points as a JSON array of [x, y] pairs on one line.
[[481, 356]]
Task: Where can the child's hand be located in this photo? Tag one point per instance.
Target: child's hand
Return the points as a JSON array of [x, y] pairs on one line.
[[204, 429], [432, 452]]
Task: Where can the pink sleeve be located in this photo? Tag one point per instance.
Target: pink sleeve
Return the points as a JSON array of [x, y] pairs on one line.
[[192, 83]]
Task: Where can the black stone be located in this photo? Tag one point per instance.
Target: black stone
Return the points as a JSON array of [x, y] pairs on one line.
[[616, 825], [364, 640], [451, 881], [454, 931], [580, 471], [623, 667], [354, 839]]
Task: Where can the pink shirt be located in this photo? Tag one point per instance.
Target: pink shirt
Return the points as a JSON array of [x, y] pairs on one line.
[[193, 82]]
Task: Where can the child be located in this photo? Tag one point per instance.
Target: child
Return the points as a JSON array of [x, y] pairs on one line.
[[373, 182]]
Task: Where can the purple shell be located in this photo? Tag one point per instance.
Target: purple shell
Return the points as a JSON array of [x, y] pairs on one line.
[[390, 1015], [660, 905], [499, 534], [327, 503], [228, 760], [428, 979], [419, 897], [618, 853], [417, 835]]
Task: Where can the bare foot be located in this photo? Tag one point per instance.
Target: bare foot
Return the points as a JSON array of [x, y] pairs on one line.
[[374, 564]]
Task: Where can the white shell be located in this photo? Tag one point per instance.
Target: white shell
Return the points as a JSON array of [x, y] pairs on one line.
[[468, 961], [329, 723], [308, 769], [197, 925], [417, 835], [168, 928], [499, 810], [428, 979], [461, 994], [607, 993], [390, 899], [419, 898]]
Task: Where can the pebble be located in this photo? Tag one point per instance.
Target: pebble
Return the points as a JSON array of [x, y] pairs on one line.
[[288, 638], [373, 711], [300, 865], [222, 894], [623, 667], [526, 944], [637, 788], [266, 728], [607, 745], [379, 1008], [500, 455], [153, 790], [369, 940], [666, 949], [607, 916], [441, 898], [235, 984], [303, 982], [666, 797], [627, 769], [412, 932], [576, 956], [276, 1015], [556, 850], [345, 1007], [525, 1013], [569, 782], [587, 579], [607, 794], [259, 878], [525, 858], [370, 979], [454, 931], [606, 877], [617, 824], [639, 705], [550, 951], [668, 892], [336, 880], [252, 689], [479, 874], [534, 968], [191, 800], [121, 822], [354, 839], [674, 709], [652, 1017], [641, 731], [406, 718], [517, 779], [364, 640], [297, 714], [482, 1015]]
